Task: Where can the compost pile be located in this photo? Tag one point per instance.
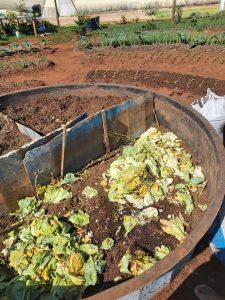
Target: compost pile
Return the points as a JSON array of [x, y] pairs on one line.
[[82, 231]]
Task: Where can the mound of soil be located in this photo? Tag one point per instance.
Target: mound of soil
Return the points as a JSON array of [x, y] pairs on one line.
[[16, 86], [47, 113], [14, 67], [152, 79], [10, 136]]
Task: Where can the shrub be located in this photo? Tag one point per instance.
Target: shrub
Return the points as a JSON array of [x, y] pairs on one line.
[[151, 10], [123, 19], [149, 26]]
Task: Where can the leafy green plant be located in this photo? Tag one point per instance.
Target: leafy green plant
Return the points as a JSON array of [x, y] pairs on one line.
[[136, 20], [123, 19], [149, 26], [21, 7], [151, 10], [82, 24], [183, 37]]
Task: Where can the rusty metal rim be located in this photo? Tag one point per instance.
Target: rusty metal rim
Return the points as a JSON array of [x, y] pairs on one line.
[[200, 230]]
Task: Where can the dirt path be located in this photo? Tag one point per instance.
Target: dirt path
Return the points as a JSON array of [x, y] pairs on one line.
[[173, 70]]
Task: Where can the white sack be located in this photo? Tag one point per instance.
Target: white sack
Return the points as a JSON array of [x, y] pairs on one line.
[[212, 107]]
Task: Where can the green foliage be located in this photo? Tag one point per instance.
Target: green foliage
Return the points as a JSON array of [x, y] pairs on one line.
[[136, 20], [151, 10], [129, 223], [55, 194], [21, 7], [175, 227], [164, 31], [107, 244], [89, 192], [50, 28], [123, 19], [80, 218], [81, 23], [149, 26]]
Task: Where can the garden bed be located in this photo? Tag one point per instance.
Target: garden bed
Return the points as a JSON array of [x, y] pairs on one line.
[[10, 136], [33, 64], [89, 204], [48, 113]]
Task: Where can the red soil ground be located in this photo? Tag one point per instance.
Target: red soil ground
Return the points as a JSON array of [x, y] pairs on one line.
[[173, 70]]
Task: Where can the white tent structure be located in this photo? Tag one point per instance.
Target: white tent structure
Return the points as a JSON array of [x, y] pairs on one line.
[[66, 7]]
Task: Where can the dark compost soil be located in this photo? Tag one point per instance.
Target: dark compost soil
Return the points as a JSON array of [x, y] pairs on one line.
[[48, 113], [10, 136]]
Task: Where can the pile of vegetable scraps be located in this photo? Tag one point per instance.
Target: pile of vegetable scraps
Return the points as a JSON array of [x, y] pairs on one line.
[[152, 183]]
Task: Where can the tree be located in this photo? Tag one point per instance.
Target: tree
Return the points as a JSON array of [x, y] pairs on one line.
[[174, 9], [222, 5], [21, 7]]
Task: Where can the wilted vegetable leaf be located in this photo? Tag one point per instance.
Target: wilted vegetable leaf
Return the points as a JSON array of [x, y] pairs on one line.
[[124, 263], [76, 264], [81, 218], [174, 227], [140, 263], [184, 198], [161, 252], [69, 178], [89, 248], [89, 192], [107, 244], [18, 260], [147, 214], [203, 207], [129, 223], [90, 272], [26, 206], [56, 194], [77, 280], [198, 176]]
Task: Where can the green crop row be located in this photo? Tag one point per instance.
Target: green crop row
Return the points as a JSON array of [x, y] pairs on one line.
[[168, 37]]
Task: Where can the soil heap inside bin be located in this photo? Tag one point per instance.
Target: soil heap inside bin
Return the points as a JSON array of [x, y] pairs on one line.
[[48, 112], [10, 136]]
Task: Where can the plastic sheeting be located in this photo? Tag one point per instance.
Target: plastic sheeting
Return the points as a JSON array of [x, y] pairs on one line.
[[66, 8]]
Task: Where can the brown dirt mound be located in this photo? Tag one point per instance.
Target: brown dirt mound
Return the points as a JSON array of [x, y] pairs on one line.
[[10, 136], [179, 83], [48, 113]]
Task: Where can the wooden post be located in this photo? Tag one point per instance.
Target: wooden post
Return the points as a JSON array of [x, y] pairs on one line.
[[174, 9], [74, 5], [63, 149], [34, 26], [57, 13], [106, 134]]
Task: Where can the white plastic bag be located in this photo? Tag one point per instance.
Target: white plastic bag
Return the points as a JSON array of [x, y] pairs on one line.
[[212, 107]]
